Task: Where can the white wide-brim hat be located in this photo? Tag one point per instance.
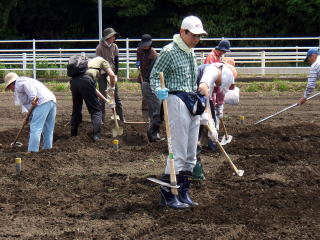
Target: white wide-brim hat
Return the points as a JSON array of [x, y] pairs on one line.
[[10, 78]]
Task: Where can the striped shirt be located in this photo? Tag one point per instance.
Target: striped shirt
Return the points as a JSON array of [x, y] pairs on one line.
[[179, 67], [314, 74]]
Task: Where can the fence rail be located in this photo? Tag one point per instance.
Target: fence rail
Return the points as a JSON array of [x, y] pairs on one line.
[[32, 56]]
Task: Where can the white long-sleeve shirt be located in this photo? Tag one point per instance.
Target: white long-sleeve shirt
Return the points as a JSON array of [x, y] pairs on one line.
[[27, 89], [314, 74]]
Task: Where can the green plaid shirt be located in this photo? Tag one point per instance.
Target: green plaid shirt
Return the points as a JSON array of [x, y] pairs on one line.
[[179, 69]]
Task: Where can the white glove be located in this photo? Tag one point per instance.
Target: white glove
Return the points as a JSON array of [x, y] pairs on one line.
[[204, 118], [219, 111], [110, 105], [110, 93], [213, 134]]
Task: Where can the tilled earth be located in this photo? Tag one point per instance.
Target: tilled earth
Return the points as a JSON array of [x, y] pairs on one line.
[[85, 190]]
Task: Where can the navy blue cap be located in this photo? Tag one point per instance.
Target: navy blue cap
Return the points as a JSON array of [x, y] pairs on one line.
[[224, 45]]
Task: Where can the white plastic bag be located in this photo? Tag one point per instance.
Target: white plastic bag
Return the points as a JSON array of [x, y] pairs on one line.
[[232, 96]]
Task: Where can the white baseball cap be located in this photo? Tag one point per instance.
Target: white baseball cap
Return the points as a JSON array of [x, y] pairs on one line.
[[227, 78], [193, 24]]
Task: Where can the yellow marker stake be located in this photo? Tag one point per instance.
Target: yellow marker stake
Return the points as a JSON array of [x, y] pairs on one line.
[[115, 144], [242, 119], [18, 165]]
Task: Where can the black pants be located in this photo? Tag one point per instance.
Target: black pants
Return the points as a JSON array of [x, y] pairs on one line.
[[103, 84], [83, 87]]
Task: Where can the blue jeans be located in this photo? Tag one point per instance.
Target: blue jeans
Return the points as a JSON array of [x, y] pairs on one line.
[[43, 120]]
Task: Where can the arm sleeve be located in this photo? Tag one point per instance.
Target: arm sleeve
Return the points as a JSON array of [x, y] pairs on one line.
[[150, 69], [98, 51], [312, 82], [116, 64], [209, 76], [162, 64], [30, 90], [116, 59]]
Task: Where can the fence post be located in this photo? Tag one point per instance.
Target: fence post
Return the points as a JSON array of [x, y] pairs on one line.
[[263, 63], [34, 59], [24, 63], [60, 62], [127, 58], [297, 56]]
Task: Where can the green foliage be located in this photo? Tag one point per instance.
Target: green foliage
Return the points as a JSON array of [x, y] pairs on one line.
[[131, 8], [253, 87]]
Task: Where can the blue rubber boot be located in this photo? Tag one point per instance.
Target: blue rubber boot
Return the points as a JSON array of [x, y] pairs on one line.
[[184, 179], [212, 145], [168, 199]]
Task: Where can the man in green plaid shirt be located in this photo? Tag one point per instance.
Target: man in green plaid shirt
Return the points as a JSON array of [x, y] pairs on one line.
[[178, 64]]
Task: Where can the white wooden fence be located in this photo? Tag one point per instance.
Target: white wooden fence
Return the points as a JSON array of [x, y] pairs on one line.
[[258, 61]]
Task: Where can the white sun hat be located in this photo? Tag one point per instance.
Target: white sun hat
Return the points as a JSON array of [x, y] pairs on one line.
[[10, 78]]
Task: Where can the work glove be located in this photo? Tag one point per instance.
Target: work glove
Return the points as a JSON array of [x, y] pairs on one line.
[[213, 135], [204, 118], [219, 111], [110, 105], [110, 93], [162, 93], [138, 64]]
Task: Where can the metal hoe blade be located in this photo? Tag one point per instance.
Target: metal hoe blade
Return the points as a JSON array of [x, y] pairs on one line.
[[16, 144], [225, 140], [117, 132], [162, 183]]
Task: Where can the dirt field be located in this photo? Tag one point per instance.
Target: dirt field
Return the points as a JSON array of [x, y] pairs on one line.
[[86, 190]]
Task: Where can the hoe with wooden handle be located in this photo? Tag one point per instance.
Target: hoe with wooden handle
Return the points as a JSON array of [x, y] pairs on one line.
[[25, 121], [173, 178], [226, 138], [117, 131], [239, 172]]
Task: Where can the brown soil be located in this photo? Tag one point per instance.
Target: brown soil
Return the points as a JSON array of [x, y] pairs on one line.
[[86, 190]]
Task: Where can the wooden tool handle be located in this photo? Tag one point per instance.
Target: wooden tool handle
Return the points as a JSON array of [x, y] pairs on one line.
[[209, 127], [224, 128], [173, 177], [25, 120]]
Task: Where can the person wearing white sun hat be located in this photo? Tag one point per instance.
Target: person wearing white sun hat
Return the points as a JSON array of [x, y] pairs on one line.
[[26, 91]]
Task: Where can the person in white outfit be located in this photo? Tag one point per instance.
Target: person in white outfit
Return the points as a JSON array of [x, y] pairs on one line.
[[26, 91]]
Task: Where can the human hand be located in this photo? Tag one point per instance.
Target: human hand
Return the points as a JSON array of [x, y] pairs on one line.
[[219, 111], [302, 100], [34, 101], [138, 64], [110, 105], [213, 134], [110, 93], [162, 93]]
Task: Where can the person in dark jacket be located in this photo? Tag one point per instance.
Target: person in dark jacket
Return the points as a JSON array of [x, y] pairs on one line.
[[146, 56]]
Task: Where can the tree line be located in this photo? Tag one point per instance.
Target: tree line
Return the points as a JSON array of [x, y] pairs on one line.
[[78, 19]]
